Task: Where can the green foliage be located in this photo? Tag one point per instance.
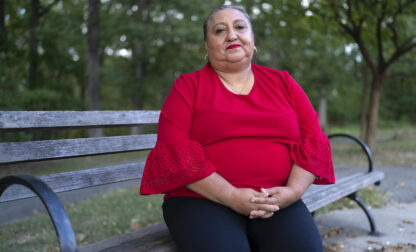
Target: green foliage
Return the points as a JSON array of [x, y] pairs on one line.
[[145, 48]]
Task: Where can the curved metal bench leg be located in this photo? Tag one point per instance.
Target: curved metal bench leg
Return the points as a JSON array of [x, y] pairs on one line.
[[367, 212], [56, 211]]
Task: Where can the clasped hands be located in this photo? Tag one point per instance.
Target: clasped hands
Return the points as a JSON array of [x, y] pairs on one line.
[[263, 204]]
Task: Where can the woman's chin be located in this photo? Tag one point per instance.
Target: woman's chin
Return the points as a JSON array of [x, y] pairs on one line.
[[237, 58]]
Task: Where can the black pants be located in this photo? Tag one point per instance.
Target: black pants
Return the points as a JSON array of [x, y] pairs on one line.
[[202, 225]]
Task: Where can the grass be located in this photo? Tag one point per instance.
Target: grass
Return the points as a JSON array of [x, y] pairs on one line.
[[397, 148], [95, 219], [121, 211], [371, 196]]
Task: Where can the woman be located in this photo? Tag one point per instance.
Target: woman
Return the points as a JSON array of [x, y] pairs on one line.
[[238, 145]]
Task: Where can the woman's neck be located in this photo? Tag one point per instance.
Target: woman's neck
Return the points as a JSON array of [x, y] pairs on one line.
[[239, 82]]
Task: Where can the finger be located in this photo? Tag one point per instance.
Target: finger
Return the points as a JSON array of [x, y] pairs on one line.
[[265, 192], [260, 214], [261, 194], [268, 200], [273, 190], [268, 215], [257, 214], [267, 207]]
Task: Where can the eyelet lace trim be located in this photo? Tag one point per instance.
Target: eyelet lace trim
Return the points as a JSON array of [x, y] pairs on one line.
[[313, 153], [174, 165]]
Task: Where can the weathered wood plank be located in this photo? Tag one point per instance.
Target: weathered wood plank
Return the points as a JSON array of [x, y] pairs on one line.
[[150, 239], [318, 198], [12, 120], [313, 189], [73, 180], [55, 149]]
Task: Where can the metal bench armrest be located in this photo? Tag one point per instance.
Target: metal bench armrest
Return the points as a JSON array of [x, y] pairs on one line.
[[363, 146], [56, 211]]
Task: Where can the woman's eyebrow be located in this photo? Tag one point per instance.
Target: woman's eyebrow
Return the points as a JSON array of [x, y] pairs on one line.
[[223, 23], [215, 25], [239, 20]]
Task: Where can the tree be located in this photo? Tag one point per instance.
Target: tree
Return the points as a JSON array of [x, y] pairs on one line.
[[94, 61], [289, 37], [37, 13], [3, 31], [383, 31]]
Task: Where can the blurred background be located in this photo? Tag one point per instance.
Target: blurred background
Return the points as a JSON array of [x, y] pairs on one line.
[[124, 55], [354, 58]]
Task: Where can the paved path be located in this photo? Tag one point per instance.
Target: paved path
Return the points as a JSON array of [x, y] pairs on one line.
[[347, 230]]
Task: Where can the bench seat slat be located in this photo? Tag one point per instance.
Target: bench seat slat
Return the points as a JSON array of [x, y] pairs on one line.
[[14, 120], [313, 189], [319, 198], [55, 149], [73, 180], [149, 239]]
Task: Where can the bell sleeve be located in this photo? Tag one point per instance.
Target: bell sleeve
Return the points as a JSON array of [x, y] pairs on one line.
[[312, 151], [176, 160]]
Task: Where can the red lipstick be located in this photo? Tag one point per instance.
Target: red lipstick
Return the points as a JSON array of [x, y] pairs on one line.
[[233, 46]]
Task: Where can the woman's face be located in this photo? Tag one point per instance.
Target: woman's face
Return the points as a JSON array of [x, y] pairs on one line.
[[229, 38]]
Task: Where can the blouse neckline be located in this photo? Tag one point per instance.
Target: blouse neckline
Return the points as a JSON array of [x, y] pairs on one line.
[[220, 83]]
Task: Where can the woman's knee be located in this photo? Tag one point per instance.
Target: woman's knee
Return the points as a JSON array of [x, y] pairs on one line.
[[202, 225], [291, 229]]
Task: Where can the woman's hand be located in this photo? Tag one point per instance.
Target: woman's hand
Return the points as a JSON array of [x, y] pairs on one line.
[[241, 202], [281, 196], [298, 182]]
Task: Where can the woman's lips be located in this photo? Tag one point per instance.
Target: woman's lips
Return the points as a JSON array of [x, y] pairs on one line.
[[233, 46]]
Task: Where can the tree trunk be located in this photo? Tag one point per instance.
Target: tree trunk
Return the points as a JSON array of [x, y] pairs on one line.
[[363, 110], [370, 137], [139, 58], [139, 68], [33, 44], [3, 31], [323, 111], [94, 85]]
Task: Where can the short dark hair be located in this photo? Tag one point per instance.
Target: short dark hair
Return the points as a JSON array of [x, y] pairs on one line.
[[209, 18]]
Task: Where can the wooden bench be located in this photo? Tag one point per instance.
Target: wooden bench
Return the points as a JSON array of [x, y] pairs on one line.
[[153, 238]]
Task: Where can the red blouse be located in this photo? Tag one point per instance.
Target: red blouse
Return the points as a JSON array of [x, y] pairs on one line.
[[251, 140]]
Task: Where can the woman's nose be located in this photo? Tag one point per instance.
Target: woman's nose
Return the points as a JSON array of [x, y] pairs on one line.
[[232, 35]]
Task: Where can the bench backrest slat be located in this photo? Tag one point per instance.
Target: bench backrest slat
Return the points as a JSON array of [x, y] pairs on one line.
[[73, 180], [32, 151], [18, 120], [54, 149]]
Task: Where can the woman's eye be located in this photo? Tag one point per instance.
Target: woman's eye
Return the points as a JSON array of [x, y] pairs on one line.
[[217, 31], [240, 27]]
